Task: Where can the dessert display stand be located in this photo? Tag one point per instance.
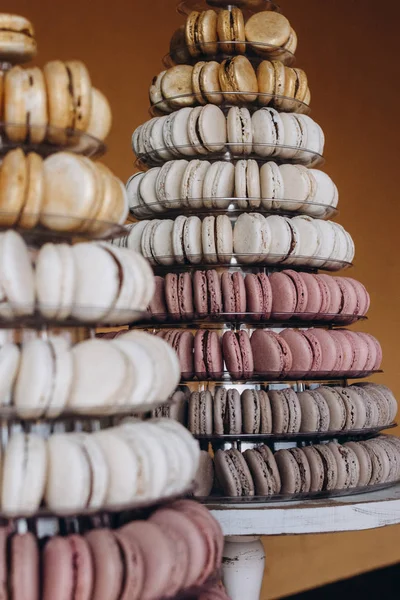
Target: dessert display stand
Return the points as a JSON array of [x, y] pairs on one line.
[[244, 556], [244, 520]]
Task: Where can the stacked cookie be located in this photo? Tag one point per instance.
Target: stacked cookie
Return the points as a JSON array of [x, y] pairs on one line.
[[208, 131], [46, 378], [73, 472], [293, 353], [281, 296], [234, 81], [284, 411], [88, 282], [308, 470], [252, 238], [197, 186], [208, 33], [52, 103], [65, 193], [156, 558]]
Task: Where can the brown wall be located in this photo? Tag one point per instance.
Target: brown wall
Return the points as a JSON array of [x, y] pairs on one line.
[[350, 52]]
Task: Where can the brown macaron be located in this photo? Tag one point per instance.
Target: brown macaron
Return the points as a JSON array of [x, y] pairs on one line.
[[17, 39], [177, 47], [80, 87], [207, 32], [301, 84], [266, 31], [196, 86], [30, 212], [176, 86], [210, 84], [231, 31], [100, 121], [237, 75], [13, 186], [266, 82], [25, 104]]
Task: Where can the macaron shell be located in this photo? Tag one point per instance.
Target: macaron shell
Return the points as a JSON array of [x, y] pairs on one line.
[[267, 353], [289, 471], [247, 354], [24, 559], [232, 355], [259, 295], [329, 350], [284, 296], [280, 411], [313, 302], [301, 351]]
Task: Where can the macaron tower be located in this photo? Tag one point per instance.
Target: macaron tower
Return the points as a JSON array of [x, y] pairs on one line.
[[71, 470], [233, 211]]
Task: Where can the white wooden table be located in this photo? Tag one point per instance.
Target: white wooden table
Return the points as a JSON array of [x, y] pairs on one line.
[[243, 524]]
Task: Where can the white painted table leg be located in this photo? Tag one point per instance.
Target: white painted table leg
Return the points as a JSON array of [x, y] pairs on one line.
[[243, 567]]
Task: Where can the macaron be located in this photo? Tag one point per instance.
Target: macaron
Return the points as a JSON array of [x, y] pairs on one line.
[[207, 293], [208, 361], [271, 353], [233, 293], [227, 412], [238, 355], [258, 295], [200, 417], [17, 41], [264, 470]]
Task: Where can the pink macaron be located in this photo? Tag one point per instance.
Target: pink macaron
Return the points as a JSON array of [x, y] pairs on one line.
[[314, 303], [238, 354], [271, 353], [301, 350], [284, 296], [258, 295], [233, 293], [207, 355]]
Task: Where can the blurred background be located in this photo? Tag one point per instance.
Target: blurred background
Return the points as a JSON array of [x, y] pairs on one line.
[[349, 50]]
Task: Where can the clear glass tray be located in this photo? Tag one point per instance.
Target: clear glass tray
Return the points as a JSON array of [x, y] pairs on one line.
[[232, 208], [52, 139], [296, 497], [292, 437], [186, 7], [278, 377], [135, 506], [32, 318], [67, 228], [265, 52], [233, 152], [277, 262], [282, 103], [247, 320]]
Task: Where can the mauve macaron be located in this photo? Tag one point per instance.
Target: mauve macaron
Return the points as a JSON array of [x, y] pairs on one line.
[[346, 348], [182, 342], [325, 294], [214, 292], [233, 292], [379, 353], [349, 301], [284, 296], [258, 295], [363, 296], [200, 293], [313, 306], [301, 350], [360, 351], [207, 355], [329, 351], [179, 295], [271, 353], [301, 290], [158, 307], [335, 300], [237, 354]]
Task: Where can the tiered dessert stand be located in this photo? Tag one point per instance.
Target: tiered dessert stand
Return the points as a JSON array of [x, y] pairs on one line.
[[245, 520], [21, 326]]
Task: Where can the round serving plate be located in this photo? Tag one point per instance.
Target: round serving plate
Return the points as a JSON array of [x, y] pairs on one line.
[[47, 139], [281, 103]]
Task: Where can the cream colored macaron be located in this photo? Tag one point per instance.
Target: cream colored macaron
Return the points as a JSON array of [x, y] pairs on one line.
[[17, 41], [25, 104]]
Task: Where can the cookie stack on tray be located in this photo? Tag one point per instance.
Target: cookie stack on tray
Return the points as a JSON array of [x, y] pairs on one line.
[[234, 213], [77, 463]]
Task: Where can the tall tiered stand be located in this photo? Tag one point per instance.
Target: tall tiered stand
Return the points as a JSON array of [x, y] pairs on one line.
[[244, 522]]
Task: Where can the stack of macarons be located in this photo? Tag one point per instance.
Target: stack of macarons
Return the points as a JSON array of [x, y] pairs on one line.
[[199, 186], [116, 467], [52, 103], [227, 32], [207, 131], [307, 470], [49, 377], [234, 81], [88, 282], [257, 297], [253, 238], [284, 411], [64, 192], [179, 547], [265, 354]]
